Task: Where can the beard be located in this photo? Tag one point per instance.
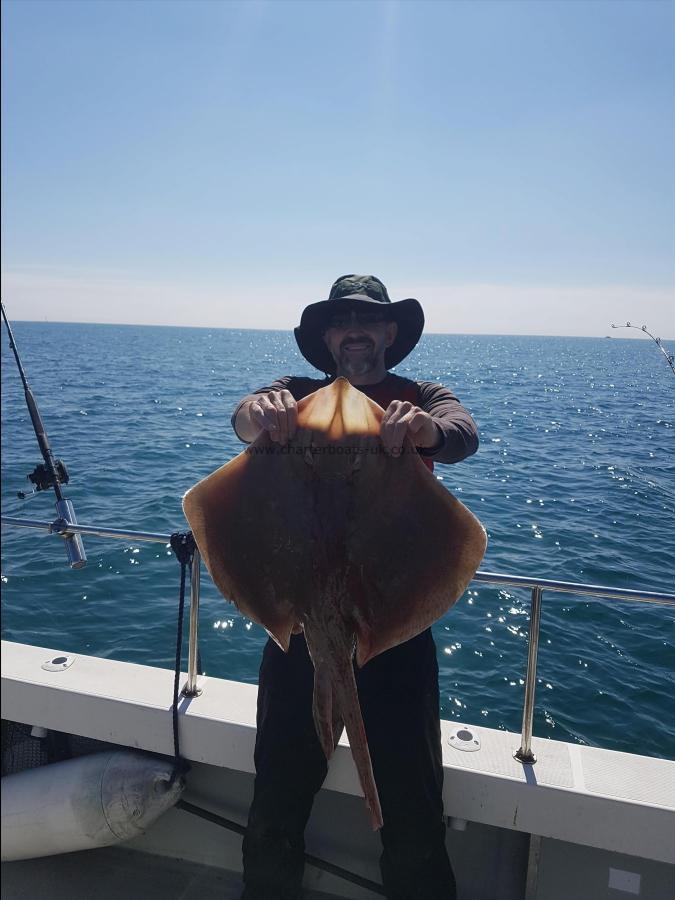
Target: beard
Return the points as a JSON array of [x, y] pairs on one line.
[[357, 363]]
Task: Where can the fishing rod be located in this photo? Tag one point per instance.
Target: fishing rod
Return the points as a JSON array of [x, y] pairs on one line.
[[52, 473], [670, 358]]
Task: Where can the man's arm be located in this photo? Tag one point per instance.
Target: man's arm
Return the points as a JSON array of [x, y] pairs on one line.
[[270, 408], [273, 408], [243, 427], [455, 424]]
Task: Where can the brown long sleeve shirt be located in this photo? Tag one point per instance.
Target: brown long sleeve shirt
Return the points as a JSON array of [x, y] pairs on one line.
[[460, 435]]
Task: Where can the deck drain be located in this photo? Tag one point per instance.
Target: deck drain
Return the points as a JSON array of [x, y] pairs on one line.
[[58, 663], [463, 738]]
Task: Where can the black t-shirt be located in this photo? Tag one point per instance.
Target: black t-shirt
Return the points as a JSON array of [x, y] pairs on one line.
[[460, 435]]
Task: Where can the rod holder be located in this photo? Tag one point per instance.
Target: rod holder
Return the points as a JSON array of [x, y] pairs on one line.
[[524, 753], [77, 558], [191, 689]]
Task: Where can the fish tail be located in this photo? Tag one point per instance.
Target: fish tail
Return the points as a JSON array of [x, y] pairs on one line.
[[322, 710], [338, 725], [347, 700]]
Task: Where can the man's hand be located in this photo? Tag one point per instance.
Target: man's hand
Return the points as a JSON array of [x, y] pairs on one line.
[[276, 413], [402, 419]]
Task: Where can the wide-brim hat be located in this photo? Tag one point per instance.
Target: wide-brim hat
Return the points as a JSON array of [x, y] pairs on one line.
[[354, 292]]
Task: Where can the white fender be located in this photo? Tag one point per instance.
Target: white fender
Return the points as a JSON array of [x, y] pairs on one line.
[[91, 801]]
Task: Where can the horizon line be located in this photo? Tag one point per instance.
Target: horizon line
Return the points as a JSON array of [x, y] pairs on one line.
[[45, 321]]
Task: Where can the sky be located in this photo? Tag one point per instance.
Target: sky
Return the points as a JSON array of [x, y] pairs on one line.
[[220, 164]]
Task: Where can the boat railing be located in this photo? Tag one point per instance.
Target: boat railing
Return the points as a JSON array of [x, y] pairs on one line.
[[537, 586]]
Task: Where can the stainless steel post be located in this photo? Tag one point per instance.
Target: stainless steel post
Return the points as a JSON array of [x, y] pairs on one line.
[[191, 689], [524, 754]]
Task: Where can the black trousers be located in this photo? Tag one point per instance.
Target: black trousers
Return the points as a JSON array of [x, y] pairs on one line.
[[398, 693]]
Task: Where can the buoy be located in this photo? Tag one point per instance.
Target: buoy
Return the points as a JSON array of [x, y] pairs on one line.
[[91, 801]]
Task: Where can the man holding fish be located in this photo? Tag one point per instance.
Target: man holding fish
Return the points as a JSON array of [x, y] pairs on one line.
[[357, 334]]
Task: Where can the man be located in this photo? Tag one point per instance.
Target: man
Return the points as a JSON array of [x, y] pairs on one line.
[[358, 333]]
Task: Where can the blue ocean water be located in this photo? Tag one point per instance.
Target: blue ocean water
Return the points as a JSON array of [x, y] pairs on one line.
[[575, 480]]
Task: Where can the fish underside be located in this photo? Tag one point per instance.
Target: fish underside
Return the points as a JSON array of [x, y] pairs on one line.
[[330, 628], [332, 536]]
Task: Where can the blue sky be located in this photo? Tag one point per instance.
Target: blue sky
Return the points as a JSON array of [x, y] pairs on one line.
[[221, 163]]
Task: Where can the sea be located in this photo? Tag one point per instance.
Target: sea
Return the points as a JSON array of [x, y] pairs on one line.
[[574, 480]]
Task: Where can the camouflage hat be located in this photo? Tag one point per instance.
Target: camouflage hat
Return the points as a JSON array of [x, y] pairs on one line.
[[358, 291]]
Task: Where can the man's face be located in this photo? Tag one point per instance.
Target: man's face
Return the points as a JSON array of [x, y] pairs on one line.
[[357, 341]]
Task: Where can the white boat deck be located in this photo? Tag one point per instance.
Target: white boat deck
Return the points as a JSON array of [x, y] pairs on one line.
[[582, 823], [114, 872], [615, 801]]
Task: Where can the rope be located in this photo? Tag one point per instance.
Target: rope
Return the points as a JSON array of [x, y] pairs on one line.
[[183, 545]]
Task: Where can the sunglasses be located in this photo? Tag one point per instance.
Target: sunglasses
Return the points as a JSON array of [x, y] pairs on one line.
[[344, 320]]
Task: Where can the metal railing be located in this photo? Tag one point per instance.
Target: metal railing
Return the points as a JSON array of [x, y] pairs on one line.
[[536, 585], [65, 529]]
